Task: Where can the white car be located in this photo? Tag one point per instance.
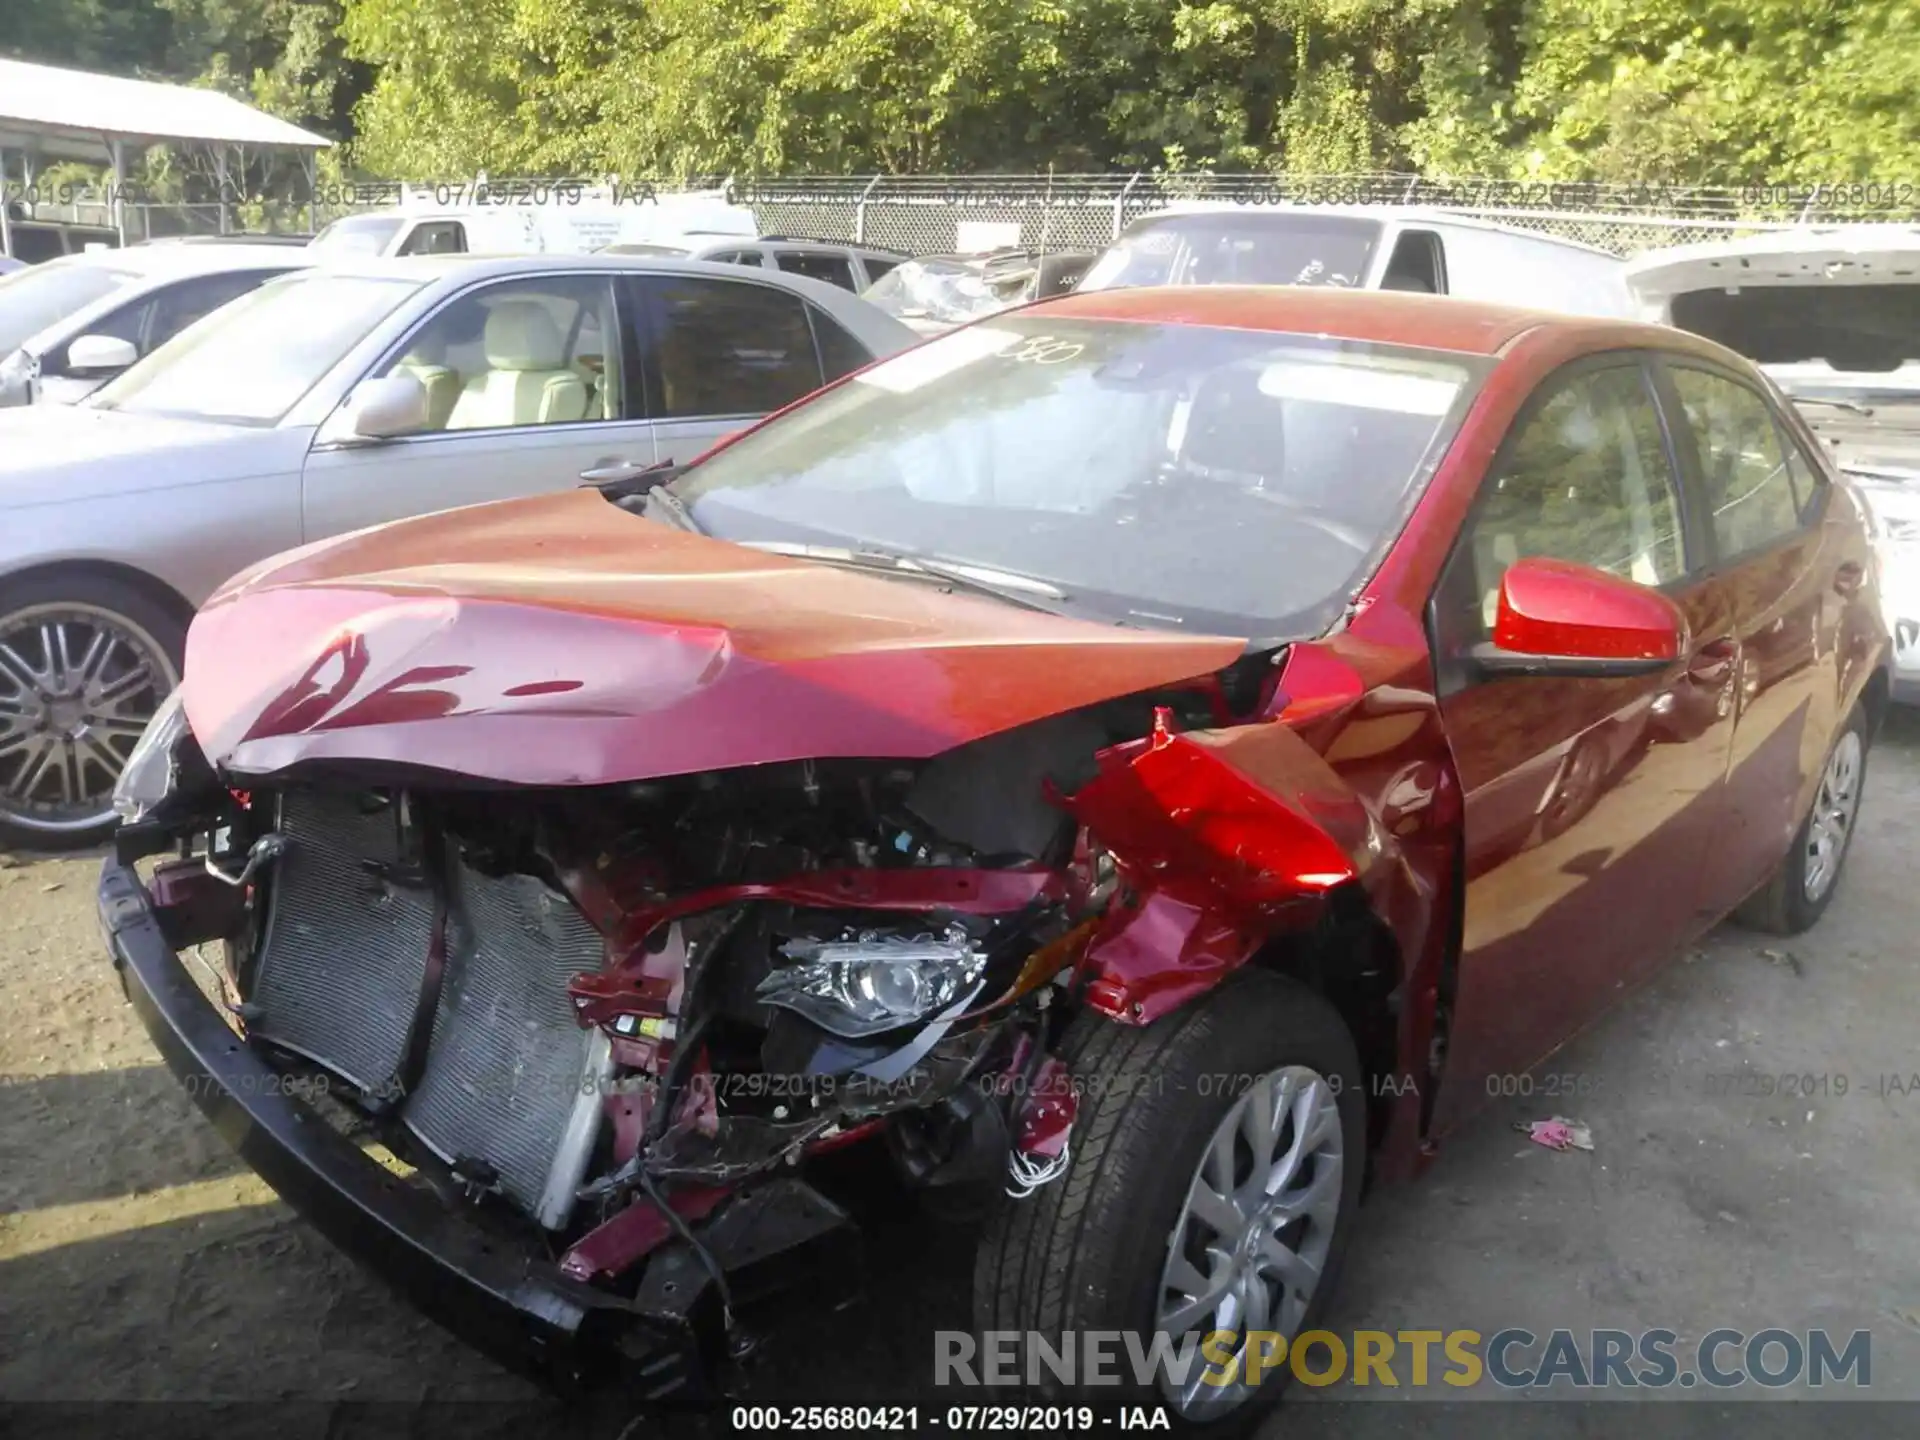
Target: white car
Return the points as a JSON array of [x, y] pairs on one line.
[[335, 399], [1362, 247], [1832, 315], [70, 325], [548, 222]]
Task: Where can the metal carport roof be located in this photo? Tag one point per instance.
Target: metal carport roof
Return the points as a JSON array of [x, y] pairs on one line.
[[74, 114]]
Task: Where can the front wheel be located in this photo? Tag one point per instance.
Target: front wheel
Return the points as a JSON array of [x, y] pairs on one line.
[[84, 663], [1217, 1163], [1803, 886]]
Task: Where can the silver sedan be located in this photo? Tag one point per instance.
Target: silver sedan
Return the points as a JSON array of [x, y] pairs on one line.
[[337, 399]]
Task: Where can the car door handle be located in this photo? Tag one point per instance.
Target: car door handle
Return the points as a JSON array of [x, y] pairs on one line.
[[616, 472], [1849, 578], [1713, 662]]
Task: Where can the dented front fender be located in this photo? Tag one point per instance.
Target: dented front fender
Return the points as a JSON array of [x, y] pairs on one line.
[[1225, 838]]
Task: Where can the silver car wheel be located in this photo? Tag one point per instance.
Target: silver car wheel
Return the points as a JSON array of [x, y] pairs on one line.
[[78, 684], [1251, 1243], [1832, 819]]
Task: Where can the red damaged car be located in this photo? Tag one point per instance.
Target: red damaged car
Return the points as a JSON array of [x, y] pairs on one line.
[[1156, 758]]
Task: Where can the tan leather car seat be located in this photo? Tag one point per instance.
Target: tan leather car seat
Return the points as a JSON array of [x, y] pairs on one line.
[[441, 382], [528, 381]]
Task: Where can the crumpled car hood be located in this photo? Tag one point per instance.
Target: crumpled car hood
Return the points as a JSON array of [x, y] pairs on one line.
[[561, 641]]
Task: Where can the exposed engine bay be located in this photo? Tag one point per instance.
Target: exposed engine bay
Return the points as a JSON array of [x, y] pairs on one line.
[[561, 1004]]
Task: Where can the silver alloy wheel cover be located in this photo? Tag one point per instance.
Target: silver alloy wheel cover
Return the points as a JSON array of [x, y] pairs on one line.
[[78, 684], [1831, 823], [1263, 1229]]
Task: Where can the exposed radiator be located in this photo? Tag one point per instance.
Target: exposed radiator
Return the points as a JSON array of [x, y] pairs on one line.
[[510, 1078], [344, 953]]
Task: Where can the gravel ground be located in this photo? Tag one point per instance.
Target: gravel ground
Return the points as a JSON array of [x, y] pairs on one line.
[[140, 1261]]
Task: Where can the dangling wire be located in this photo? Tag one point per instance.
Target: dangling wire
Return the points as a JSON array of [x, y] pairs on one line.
[[1025, 1174]]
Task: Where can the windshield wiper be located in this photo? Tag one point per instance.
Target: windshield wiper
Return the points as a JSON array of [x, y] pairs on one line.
[[662, 503], [623, 484], [1014, 588], [1851, 406]]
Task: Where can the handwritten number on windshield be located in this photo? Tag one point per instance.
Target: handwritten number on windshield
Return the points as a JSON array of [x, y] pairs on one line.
[[1046, 350]]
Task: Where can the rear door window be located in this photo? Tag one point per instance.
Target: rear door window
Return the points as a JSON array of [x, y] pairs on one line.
[[1750, 490], [840, 353], [720, 347]]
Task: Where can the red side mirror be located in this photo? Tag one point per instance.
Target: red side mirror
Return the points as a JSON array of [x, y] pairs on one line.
[[1559, 618]]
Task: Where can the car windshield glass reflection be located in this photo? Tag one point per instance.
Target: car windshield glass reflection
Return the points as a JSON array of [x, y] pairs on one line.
[[1323, 250], [357, 235], [251, 362], [1210, 478], [33, 299]]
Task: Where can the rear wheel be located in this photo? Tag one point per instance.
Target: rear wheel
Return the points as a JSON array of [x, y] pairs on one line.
[[1217, 1163], [1803, 886], [84, 663]]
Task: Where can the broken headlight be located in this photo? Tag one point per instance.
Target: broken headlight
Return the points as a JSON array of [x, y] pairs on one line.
[[153, 769], [865, 984]]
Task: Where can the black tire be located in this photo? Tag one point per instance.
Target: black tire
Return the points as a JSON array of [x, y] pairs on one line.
[[148, 624], [1086, 1251], [1782, 906]]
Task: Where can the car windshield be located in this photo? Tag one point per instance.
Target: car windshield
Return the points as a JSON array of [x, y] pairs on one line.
[[1239, 249], [1238, 481], [252, 361], [358, 235], [34, 298]]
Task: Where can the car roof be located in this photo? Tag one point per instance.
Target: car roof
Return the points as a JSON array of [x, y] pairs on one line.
[[1388, 317], [470, 266], [169, 261], [1274, 214], [879, 331]]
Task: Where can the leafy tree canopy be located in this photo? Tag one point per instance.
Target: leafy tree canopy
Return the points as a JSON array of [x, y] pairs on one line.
[[1703, 91]]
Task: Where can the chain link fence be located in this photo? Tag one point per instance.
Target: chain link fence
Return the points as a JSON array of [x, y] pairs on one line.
[[933, 214]]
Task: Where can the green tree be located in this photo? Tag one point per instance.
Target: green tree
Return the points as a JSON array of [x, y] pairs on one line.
[[1728, 92]]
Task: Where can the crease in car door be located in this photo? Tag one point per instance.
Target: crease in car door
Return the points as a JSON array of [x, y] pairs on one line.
[[527, 386], [1775, 577], [1588, 801]]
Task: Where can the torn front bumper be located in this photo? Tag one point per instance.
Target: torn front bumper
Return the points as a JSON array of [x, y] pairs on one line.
[[523, 1312]]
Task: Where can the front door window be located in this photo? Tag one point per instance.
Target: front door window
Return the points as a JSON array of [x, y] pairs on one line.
[[526, 352]]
